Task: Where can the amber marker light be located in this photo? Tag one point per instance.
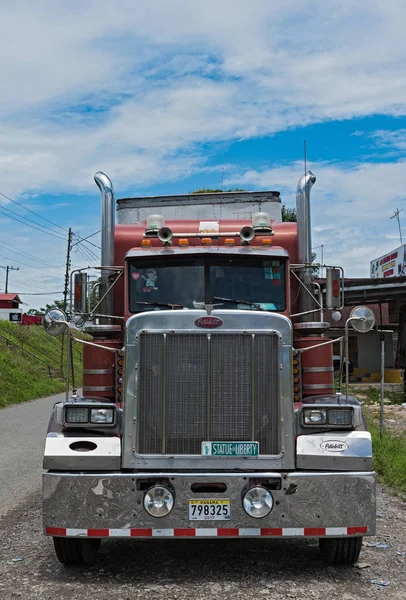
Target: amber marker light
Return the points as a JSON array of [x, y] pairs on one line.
[[183, 243], [145, 243], [229, 242], [267, 242], [206, 241]]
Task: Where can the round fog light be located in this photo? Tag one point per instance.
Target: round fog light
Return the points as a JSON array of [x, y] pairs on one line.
[[258, 502], [158, 501]]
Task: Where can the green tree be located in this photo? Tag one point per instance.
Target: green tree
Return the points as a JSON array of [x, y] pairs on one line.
[[56, 304], [289, 214]]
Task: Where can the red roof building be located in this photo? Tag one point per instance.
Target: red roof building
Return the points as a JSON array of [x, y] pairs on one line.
[[9, 301]]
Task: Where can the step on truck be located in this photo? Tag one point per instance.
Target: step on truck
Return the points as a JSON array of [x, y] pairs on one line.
[[209, 407]]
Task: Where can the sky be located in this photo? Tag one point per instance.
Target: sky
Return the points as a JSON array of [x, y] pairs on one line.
[[170, 96]]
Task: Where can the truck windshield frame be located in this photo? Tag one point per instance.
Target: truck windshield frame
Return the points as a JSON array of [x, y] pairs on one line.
[[189, 282]]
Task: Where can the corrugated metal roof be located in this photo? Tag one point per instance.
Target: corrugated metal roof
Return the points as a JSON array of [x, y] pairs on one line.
[[10, 297]]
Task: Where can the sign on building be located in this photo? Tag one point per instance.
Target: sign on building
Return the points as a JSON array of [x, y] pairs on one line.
[[392, 264]]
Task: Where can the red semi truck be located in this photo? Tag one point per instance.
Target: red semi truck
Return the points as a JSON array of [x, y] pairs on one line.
[[208, 406]]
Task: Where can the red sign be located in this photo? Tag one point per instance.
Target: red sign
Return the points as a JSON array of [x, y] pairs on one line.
[[208, 322]]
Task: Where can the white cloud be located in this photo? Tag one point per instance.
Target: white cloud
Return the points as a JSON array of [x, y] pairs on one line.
[[167, 77], [351, 206], [136, 88]]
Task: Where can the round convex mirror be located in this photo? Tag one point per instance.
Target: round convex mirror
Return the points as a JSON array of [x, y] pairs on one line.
[[364, 319], [55, 321]]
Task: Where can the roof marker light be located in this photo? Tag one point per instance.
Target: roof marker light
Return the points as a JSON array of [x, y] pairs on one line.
[[145, 243], [183, 242]]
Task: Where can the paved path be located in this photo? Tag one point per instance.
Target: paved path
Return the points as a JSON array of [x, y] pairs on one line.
[[22, 438]]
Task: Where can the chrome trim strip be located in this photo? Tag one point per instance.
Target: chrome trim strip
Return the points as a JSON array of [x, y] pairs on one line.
[[318, 386], [164, 371], [98, 388], [97, 371], [318, 370]]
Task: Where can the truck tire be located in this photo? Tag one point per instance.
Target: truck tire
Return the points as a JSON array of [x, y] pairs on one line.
[[340, 551], [74, 551]]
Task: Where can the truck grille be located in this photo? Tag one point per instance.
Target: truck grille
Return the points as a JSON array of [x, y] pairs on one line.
[[202, 387]]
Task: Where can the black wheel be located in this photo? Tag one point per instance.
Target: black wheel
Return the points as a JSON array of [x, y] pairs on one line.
[[340, 551], [74, 551]]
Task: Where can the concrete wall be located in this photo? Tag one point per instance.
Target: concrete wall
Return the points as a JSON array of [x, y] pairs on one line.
[[369, 351], [5, 314]]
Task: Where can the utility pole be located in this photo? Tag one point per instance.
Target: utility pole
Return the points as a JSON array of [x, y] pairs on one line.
[[396, 214], [65, 292], [8, 268]]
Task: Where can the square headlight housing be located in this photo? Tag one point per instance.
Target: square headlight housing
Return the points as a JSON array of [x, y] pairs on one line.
[[335, 416], [89, 415]]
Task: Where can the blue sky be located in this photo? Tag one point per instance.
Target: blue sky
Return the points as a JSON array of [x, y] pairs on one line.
[[166, 96]]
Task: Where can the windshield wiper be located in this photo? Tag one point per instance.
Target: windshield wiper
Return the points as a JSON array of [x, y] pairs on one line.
[[247, 302], [163, 304]]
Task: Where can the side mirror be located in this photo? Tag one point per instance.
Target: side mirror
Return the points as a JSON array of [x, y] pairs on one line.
[[362, 319], [55, 322], [333, 288]]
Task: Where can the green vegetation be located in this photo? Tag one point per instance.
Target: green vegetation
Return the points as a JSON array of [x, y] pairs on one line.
[[372, 395], [389, 455], [24, 377]]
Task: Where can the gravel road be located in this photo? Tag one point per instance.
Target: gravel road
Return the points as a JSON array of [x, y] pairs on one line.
[[22, 439], [199, 569]]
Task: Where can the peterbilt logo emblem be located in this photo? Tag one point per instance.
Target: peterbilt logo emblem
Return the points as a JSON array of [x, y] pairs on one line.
[[208, 322], [334, 446]]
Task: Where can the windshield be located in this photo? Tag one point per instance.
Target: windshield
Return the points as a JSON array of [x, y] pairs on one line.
[[232, 282]]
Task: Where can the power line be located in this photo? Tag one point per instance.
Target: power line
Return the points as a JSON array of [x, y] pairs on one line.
[[31, 257], [32, 212], [88, 252], [2, 209], [40, 294], [86, 239], [86, 256]]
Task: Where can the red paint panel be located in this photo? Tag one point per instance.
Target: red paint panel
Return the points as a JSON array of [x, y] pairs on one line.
[[355, 530], [228, 532], [55, 531], [141, 532], [98, 532], [184, 532], [315, 531], [270, 532]]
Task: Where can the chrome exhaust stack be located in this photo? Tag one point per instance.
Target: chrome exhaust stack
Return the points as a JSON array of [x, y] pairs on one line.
[[107, 238], [305, 242]]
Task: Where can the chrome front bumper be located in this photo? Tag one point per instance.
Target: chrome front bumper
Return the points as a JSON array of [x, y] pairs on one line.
[[312, 504]]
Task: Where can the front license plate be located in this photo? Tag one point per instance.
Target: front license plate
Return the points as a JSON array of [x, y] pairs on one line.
[[230, 448], [209, 510]]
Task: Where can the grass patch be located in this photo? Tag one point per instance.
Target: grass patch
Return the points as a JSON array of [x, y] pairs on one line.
[[372, 395], [389, 455], [22, 376]]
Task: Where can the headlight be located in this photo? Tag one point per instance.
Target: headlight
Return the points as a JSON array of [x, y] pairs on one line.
[[314, 416], [102, 416], [87, 414], [158, 501], [257, 502], [76, 414], [339, 416], [332, 416]]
